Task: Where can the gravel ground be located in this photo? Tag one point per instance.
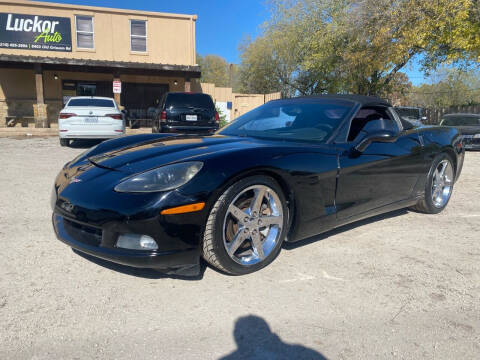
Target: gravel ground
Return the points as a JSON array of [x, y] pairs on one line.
[[404, 285]]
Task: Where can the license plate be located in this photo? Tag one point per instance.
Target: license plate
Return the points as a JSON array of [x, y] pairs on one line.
[[91, 120], [191, 117]]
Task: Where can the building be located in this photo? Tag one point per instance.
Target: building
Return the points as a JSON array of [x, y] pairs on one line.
[[49, 52]]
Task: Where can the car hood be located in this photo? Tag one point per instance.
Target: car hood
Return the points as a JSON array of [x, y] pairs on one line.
[[143, 156]]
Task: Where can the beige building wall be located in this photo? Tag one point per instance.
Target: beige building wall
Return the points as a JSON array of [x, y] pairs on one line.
[[170, 42], [170, 37], [241, 103]]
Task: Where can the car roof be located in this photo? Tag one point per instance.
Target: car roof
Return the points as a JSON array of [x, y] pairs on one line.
[[462, 114], [91, 97], [359, 99]]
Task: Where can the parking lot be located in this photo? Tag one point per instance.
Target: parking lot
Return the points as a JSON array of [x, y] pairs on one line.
[[402, 285]]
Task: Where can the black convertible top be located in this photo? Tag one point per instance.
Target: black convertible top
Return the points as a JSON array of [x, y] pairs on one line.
[[360, 99]]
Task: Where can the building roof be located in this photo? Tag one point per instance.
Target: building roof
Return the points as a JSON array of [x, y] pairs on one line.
[[56, 63], [95, 9]]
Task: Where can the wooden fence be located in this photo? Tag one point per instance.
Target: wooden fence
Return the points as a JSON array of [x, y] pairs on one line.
[[434, 115], [240, 103]]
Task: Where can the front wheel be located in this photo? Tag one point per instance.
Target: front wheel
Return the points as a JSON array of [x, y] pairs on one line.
[[246, 226], [439, 186]]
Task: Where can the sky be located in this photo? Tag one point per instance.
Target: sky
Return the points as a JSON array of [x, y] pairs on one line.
[[222, 25]]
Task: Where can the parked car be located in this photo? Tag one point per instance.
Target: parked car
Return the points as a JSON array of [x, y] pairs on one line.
[[89, 117], [414, 115], [285, 171], [186, 113], [469, 127]]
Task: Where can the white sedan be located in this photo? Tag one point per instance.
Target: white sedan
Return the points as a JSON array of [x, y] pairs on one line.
[[89, 117]]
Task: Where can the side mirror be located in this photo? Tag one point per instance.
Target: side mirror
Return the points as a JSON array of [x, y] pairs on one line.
[[384, 136]]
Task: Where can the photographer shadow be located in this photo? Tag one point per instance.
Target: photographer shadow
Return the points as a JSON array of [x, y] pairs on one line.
[[255, 340]]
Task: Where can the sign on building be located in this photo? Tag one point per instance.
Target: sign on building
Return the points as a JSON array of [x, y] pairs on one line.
[[32, 32], [117, 87]]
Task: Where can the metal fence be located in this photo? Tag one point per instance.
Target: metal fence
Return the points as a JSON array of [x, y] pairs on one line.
[[434, 115]]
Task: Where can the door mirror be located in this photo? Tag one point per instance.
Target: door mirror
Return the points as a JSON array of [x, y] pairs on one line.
[[384, 136]]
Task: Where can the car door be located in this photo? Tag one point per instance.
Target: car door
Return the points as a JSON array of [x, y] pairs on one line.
[[384, 173]]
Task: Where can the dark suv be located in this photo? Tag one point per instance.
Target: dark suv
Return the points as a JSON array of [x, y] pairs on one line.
[[186, 113]]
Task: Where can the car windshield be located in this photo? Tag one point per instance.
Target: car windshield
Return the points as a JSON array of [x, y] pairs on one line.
[[91, 102], [301, 119], [460, 121], [189, 101]]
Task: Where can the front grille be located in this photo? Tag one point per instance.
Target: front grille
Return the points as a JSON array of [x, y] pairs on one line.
[[83, 233]]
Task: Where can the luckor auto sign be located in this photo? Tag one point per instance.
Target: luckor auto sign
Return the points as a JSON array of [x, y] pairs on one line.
[[32, 32]]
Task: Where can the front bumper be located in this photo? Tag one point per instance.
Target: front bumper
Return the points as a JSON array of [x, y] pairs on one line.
[[100, 242]]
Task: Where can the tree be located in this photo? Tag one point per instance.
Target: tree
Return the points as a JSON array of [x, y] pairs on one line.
[[449, 87], [214, 70], [359, 46]]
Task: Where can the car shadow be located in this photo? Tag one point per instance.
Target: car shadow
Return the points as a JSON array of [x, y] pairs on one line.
[[196, 275], [84, 143], [255, 340], [344, 228]]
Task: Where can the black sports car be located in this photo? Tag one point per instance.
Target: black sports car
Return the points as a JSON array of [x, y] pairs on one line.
[[286, 171]]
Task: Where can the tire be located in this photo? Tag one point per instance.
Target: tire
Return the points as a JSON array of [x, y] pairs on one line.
[[64, 142], [432, 204], [259, 234]]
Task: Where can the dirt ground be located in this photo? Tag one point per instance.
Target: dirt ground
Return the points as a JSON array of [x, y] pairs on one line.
[[403, 285]]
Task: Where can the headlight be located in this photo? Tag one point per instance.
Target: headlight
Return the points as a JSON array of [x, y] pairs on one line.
[[476, 136], [162, 179]]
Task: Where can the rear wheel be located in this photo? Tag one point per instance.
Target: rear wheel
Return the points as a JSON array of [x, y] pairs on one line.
[[64, 142], [439, 186], [246, 226]]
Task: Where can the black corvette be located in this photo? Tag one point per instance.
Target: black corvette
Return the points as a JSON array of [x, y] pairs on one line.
[[285, 171]]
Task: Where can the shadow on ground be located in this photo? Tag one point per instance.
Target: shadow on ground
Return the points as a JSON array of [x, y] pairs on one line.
[[84, 143], [342, 229], [255, 340], [144, 273]]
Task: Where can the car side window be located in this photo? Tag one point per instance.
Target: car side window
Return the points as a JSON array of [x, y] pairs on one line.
[[369, 120]]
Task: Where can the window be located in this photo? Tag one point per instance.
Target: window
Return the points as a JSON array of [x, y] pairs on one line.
[[91, 102], [460, 120], [84, 27], [369, 120], [138, 35], [181, 100]]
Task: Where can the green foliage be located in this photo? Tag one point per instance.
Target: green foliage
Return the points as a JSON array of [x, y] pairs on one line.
[[449, 87], [356, 46], [216, 70], [223, 117]]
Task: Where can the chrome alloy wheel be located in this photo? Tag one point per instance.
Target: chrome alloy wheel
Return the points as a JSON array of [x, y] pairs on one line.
[[442, 183], [252, 225]]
